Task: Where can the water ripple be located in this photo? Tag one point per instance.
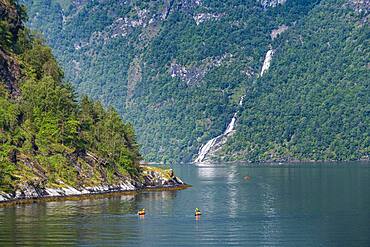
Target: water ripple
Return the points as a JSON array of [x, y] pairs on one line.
[[279, 206]]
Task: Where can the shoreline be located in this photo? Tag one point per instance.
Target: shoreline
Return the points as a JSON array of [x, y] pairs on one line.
[[291, 162], [95, 195], [153, 179]]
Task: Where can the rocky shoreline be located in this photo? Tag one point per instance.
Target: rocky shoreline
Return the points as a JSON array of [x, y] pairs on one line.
[[152, 179]]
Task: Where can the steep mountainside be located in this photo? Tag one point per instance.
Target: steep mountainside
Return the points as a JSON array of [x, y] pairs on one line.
[[314, 103], [172, 65], [50, 144], [177, 70]]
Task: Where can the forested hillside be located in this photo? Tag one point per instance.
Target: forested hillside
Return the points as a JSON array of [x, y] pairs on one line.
[[47, 138], [177, 69], [314, 104]]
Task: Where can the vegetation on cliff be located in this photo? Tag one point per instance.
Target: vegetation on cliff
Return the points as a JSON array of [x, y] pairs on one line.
[[47, 136], [313, 104], [175, 69]]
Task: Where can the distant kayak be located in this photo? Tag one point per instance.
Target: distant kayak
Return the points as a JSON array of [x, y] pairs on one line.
[[197, 212]]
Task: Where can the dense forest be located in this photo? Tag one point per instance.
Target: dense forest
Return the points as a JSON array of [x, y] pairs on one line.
[[177, 69], [314, 104], [48, 136]]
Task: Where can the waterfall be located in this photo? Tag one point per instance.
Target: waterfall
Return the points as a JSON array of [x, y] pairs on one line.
[[205, 149], [267, 62], [230, 126], [241, 100]]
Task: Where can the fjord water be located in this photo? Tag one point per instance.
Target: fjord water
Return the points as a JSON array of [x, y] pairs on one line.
[[280, 205]]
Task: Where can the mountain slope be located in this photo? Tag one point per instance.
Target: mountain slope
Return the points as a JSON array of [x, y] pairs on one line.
[[47, 139], [313, 104], [176, 69]]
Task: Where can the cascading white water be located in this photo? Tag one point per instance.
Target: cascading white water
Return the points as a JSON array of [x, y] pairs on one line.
[[231, 125], [267, 61], [204, 150], [241, 100]]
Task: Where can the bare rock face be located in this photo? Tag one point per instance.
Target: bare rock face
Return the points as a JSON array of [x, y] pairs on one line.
[[153, 178], [156, 179], [361, 6], [204, 17], [9, 13], [276, 32], [9, 67], [271, 3], [9, 73], [78, 3], [193, 74], [143, 20], [189, 5]]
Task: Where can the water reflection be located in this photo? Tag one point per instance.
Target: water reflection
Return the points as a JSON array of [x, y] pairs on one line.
[[270, 225], [232, 179], [208, 172], [279, 205]]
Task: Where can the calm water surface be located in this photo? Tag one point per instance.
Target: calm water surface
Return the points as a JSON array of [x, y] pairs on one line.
[[290, 205]]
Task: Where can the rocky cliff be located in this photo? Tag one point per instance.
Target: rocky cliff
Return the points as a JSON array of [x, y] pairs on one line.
[[152, 178], [51, 142], [10, 26]]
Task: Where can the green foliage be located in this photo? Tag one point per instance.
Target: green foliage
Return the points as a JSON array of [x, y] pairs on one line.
[[8, 114], [46, 136], [107, 135], [41, 61], [6, 174], [12, 15], [6, 36], [313, 104], [173, 118]]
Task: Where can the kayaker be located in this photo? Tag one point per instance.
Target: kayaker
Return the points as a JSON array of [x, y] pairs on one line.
[[197, 212], [141, 212]]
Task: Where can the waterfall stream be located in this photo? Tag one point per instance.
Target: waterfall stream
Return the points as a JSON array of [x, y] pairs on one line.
[[267, 61], [205, 149]]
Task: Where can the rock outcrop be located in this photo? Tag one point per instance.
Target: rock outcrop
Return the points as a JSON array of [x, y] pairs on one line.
[[9, 73], [361, 6], [11, 23], [193, 74], [271, 3], [203, 17], [151, 178], [276, 32]]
